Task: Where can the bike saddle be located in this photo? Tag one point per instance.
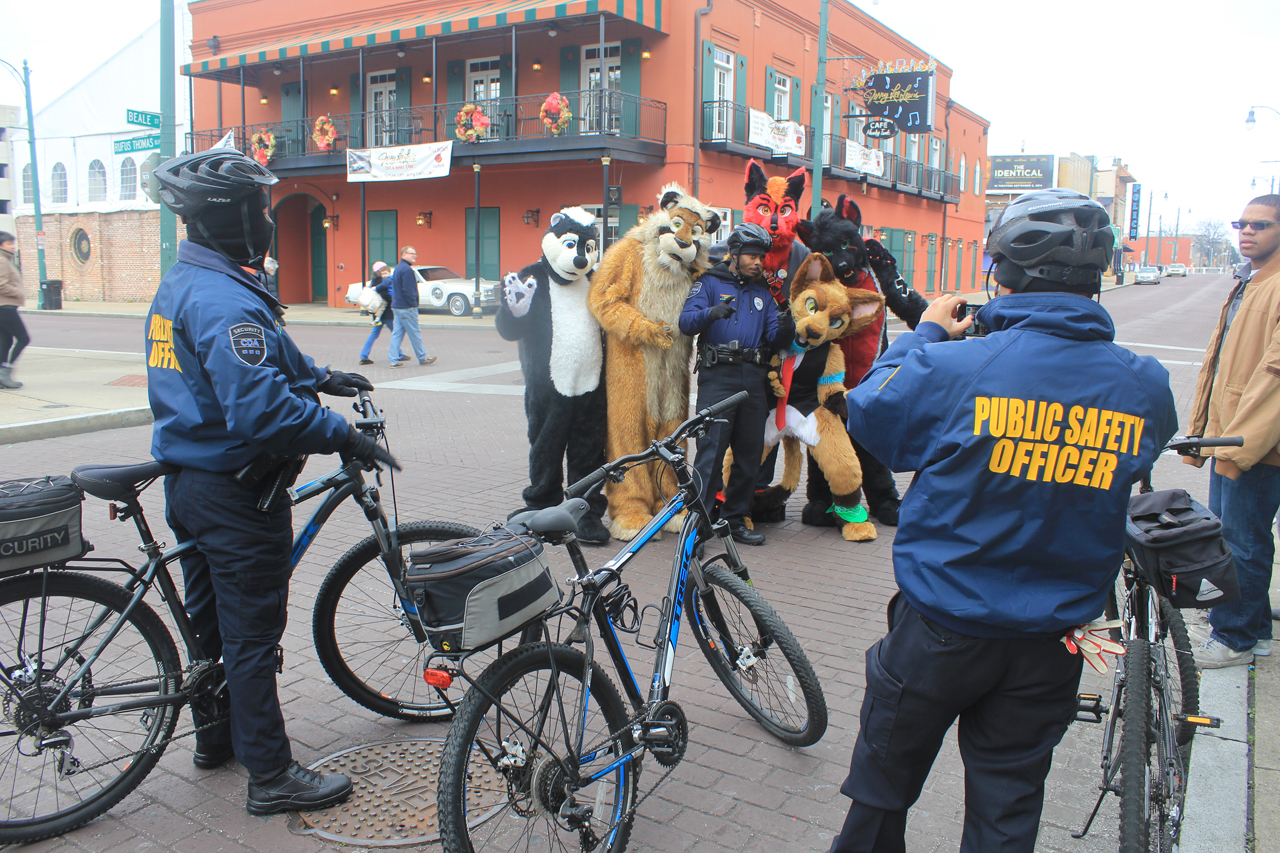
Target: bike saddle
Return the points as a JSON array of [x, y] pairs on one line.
[[118, 482], [554, 520]]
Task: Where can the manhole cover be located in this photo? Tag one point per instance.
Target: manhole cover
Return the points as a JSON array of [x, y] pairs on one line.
[[394, 801]]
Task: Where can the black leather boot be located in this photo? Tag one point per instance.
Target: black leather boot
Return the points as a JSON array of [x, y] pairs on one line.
[[745, 535], [211, 755], [296, 789]]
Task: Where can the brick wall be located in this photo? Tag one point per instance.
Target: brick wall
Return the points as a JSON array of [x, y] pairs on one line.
[[124, 256]]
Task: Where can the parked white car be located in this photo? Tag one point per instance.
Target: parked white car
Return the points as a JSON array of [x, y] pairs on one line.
[[1176, 269], [1147, 275], [442, 289]]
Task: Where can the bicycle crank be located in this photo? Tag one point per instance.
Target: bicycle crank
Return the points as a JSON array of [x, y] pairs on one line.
[[665, 733]]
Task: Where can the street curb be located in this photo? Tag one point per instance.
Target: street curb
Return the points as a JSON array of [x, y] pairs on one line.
[[75, 425], [1216, 809], [487, 323]]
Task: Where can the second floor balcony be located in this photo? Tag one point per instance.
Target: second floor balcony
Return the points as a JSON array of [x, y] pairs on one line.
[[631, 127]]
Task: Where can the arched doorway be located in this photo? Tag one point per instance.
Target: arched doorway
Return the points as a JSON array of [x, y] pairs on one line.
[[302, 249]]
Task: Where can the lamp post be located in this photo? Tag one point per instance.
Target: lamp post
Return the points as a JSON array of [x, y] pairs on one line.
[[477, 313], [818, 111], [1250, 121], [25, 79]]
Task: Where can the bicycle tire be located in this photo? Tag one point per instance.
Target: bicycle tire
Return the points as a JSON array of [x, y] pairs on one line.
[[1135, 750], [362, 635], [761, 686], [1185, 692], [511, 806], [143, 649]]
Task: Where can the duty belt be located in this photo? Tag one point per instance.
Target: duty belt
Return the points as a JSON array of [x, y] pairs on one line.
[[732, 354]]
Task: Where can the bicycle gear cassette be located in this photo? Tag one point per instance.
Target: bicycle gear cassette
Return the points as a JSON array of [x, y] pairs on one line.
[[665, 733]]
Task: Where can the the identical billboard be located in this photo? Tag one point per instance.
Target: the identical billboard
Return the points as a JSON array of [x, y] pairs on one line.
[[1019, 173]]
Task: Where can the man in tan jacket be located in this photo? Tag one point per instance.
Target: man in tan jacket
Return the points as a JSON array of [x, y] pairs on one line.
[[13, 334], [1238, 394]]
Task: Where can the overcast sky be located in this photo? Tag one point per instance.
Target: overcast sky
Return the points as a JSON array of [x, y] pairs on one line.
[[1164, 85]]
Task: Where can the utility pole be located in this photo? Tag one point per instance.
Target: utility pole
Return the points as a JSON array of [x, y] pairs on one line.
[[168, 129], [818, 112], [1160, 240], [1146, 250], [1177, 231]]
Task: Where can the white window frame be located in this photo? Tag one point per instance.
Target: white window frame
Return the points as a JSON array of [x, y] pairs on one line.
[[935, 152], [726, 225], [381, 131], [28, 185], [912, 148], [963, 186], [827, 129], [588, 102], [96, 182], [128, 179], [611, 227], [58, 169], [724, 63], [977, 178], [781, 97]]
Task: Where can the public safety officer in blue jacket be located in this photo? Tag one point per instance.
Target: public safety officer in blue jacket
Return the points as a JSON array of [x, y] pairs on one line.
[[739, 329], [233, 400], [1026, 443]]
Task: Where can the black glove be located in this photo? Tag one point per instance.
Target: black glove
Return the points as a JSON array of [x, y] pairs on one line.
[[723, 311], [362, 447], [838, 406], [345, 384], [879, 258]]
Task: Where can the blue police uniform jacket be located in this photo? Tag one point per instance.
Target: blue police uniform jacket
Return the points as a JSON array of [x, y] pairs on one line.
[[226, 382], [754, 324], [404, 286], [1026, 444]]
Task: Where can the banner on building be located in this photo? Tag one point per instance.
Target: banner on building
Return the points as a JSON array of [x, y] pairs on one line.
[[1019, 173], [1133, 211], [400, 162], [905, 98], [784, 137], [863, 159]]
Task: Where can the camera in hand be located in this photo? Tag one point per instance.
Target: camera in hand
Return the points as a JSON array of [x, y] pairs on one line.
[[976, 330]]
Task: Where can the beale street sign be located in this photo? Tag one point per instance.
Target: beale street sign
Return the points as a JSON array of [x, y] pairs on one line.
[[142, 118]]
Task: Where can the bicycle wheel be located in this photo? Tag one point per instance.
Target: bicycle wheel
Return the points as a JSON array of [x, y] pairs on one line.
[[754, 653], [1136, 773], [54, 780], [504, 773], [362, 634]]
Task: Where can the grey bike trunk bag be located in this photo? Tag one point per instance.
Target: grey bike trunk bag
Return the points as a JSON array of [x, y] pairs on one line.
[[1180, 550], [39, 523], [471, 593]]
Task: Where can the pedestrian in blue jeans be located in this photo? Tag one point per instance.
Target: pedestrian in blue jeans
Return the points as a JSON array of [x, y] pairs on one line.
[[404, 307], [382, 283], [1238, 394]]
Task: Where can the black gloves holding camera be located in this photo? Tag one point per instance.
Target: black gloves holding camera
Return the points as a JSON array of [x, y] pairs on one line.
[[365, 449], [345, 384], [723, 311]]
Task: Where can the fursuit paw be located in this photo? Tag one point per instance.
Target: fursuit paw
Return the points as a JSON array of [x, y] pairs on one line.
[[651, 334], [837, 405], [591, 531], [518, 294], [887, 512], [625, 528], [817, 514], [776, 384], [858, 531]]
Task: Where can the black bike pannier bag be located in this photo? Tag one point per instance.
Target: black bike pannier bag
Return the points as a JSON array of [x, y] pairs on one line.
[[1179, 549], [39, 523], [471, 593]]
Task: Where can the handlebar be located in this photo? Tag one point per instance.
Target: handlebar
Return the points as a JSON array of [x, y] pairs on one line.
[[614, 470], [369, 416], [1190, 445]]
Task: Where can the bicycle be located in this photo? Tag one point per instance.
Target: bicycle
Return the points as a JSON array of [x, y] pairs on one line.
[[1152, 705], [543, 749], [91, 683]]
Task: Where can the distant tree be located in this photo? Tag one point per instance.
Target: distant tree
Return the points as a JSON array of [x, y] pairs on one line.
[[1211, 240]]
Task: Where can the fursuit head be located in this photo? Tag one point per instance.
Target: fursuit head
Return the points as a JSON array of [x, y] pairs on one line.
[[825, 308], [774, 204], [683, 227], [837, 234]]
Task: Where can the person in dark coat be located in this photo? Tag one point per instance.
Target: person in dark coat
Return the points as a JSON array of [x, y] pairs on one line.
[[380, 282], [404, 307]]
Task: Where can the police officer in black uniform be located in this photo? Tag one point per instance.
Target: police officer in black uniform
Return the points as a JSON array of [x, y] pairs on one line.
[[739, 328], [235, 404]]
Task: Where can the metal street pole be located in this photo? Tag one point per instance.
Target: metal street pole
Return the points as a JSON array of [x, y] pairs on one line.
[[1177, 226], [1160, 240], [818, 111], [35, 169], [1146, 249], [604, 209], [477, 313], [168, 128]]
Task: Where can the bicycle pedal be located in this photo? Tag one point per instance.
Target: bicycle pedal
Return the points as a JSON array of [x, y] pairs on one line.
[[1089, 708], [1197, 720]]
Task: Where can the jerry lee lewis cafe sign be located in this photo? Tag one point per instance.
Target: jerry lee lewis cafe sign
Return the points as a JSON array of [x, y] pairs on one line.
[[1020, 174]]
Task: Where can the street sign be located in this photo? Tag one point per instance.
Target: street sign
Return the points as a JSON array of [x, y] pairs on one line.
[[142, 118], [147, 177], [1133, 211], [42, 240], [138, 143]]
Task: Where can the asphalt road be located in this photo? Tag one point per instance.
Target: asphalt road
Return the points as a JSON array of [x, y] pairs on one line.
[[462, 442]]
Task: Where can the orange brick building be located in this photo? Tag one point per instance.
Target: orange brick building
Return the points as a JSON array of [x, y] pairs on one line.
[[398, 73]]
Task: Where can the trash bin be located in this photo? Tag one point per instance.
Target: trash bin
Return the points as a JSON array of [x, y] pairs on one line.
[[51, 295]]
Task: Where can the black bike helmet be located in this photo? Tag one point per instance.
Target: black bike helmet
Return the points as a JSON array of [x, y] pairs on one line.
[[1057, 235], [749, 237], [220, 194]]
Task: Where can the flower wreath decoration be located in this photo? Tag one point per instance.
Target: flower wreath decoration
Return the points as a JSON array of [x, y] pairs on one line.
[[263, 146], [555, 113], [471, 122], [323, 133]]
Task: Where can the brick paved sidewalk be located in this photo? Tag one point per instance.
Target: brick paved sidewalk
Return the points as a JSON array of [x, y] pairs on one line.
[[464, 456]]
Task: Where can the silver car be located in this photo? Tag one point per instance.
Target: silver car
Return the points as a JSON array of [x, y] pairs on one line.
[[441, 287], [1147, 275], [1176, 269]]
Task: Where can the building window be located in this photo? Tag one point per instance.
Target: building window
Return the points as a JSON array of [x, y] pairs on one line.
[[611, 227], [977, 178], [962, 170], [81, 245], [28, 186], [935, 151], [59, 183], [911, 150], [781, 97], [128, 180], [722, 92], [726, 225], [97, 181]]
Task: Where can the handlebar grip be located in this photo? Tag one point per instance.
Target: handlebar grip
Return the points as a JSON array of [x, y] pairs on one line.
[[587, 483], [366, 405], [724, 405], [1234, 441]]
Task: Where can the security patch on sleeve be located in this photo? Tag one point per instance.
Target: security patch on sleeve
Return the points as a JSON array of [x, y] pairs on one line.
[[696, 287], [249, 342]]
